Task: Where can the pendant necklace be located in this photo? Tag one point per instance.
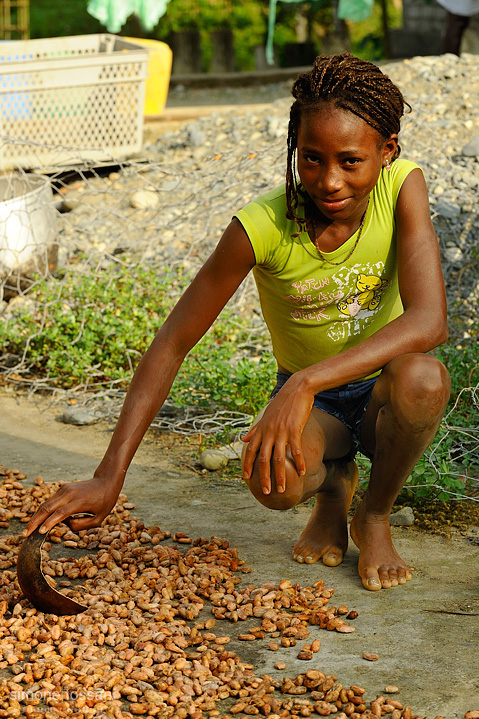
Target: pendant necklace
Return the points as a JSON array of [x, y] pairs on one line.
[[360, 231]]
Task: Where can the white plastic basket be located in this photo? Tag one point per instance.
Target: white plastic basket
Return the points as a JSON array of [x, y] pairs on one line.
[[67, 98]]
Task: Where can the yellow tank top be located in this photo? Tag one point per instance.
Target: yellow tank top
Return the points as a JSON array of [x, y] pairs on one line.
[[313, 309]]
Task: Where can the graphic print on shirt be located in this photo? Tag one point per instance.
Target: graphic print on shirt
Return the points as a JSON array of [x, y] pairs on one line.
[[313, 306], [344, 302], [367, 297]]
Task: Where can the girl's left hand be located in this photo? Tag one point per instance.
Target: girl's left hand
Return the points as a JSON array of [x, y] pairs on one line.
[[280, 426]]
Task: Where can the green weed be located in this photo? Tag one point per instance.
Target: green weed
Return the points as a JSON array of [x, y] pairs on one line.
[[93, 328], [449, 469]]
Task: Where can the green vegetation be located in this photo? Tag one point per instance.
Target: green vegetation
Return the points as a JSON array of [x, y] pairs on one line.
[[449, 466], [57, 18], [453, 459], [248, 21], [367, 38], [445, 471], [91, 329]]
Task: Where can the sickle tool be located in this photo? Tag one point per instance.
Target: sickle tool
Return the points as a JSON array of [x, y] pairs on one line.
[[33, 583]]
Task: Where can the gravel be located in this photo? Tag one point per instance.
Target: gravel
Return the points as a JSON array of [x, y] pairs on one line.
[[171, 204]]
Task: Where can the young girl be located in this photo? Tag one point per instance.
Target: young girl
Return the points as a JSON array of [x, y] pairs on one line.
[[349, 277]]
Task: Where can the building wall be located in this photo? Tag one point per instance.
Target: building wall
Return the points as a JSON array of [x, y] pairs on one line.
[[423, 28], [419, 16]]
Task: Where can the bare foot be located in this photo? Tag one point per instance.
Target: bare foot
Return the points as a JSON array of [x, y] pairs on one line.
[[380, 566], [326, 533]]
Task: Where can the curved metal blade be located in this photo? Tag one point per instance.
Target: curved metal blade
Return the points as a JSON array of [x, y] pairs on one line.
[[33, 583]]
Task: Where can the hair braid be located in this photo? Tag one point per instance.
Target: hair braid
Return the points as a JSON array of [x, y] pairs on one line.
[[351, 84]]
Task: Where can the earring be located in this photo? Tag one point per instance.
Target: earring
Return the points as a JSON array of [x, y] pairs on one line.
[[388, 166]]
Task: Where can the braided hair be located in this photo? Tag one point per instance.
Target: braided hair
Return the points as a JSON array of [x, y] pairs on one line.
[[351, 84]]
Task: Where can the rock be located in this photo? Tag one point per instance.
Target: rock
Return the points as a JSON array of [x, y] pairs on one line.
[[89, 199], [232, 451], [454, 255], [79, 416], [472, 147], [199, 153], [403, 518], [470, 179], [144, 200], [213, 459], [19, 305], [196, 137], [277, 127], [450, 210], [72, 199], [170, 185]]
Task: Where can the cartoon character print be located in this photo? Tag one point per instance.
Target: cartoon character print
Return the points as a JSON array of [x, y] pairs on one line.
[[368, 298]]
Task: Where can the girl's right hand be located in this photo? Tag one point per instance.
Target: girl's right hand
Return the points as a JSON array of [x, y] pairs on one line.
[[279, 427], [95, 497]]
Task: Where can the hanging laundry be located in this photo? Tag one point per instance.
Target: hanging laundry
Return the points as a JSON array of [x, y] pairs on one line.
[[355, 10], [114, 13]]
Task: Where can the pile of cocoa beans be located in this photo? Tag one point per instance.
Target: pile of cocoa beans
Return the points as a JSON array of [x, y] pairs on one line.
[[154, 639]]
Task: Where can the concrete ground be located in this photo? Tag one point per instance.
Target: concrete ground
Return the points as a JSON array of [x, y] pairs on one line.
[[426, 633]]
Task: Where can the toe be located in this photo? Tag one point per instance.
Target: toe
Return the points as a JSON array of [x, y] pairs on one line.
[[393, 578], [371, 581], [305, 556], [403, 575], [333, 557], [384, 577]]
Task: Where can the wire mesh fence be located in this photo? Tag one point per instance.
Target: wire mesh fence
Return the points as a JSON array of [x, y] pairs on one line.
[[94, 221], [72, 235]]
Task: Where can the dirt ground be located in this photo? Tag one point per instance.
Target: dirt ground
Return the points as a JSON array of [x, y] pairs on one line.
[[426, 633]]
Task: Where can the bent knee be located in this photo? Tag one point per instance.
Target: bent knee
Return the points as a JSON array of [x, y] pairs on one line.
[[274, 500], [277, 500], [420, 384]]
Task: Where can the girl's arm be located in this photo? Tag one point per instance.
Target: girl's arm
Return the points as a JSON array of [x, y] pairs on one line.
[[421, 327], [195, 312]]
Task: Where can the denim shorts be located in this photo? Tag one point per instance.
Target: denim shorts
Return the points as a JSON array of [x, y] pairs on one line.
[[348, 403]]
